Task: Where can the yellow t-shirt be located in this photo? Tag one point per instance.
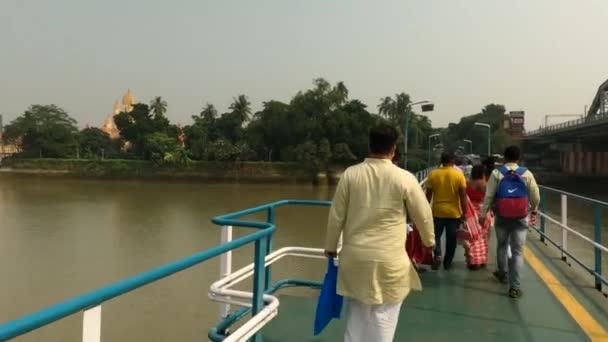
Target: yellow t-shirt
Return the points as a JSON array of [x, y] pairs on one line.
[[445, 184]]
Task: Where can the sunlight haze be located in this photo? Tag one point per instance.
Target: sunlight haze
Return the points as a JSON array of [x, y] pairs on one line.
[[540, 56]]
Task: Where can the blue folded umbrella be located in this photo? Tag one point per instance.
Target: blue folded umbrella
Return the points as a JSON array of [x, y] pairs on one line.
[[330, 303]]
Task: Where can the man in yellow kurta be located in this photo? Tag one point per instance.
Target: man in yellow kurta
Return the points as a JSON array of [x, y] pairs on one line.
[[369, 207]]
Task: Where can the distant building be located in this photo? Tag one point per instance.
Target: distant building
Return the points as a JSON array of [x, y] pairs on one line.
[[513, 123], [109, 126], [5, 148]]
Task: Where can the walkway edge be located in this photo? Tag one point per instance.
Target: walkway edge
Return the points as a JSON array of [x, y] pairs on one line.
[[583, 318]]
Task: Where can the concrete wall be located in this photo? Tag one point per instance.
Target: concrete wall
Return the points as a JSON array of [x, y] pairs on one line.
[[584, 163]]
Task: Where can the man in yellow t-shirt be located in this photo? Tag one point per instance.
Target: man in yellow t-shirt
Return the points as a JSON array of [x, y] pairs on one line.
[[446, 190]]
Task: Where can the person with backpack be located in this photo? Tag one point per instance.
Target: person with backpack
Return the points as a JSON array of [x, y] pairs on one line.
[[510, 192]]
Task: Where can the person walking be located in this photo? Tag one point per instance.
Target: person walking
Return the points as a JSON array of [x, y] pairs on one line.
[[510, 190], [369, 209], [477, 250], [446, 190]]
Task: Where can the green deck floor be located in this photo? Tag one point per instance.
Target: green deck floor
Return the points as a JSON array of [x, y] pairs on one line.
[[460, 305]]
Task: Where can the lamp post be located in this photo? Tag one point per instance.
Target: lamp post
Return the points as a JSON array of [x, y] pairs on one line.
[[489, 135], [428, 163], [427, 106], [470, 143]]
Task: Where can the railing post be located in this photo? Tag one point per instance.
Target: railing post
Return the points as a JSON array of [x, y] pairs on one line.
[[258, 281], [543, 212], [597, 237], [225, 266], [564, 202], [268, 275], [91, 325]]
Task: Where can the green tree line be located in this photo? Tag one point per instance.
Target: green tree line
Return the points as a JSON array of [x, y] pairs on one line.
[[318, 127]]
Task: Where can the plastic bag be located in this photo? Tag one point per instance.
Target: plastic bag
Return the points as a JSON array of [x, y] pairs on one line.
[[414, 248]]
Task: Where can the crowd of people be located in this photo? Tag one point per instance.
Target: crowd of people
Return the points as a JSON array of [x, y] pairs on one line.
[[374, 200]]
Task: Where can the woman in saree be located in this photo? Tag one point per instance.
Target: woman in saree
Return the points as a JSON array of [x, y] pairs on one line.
[[477, 249]]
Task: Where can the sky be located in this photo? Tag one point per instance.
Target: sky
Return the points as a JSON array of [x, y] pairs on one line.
[[539, 56]]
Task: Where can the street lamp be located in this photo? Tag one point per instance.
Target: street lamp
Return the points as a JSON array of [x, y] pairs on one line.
[[428, 163], [427, 106], [489, 135], [470, 143]]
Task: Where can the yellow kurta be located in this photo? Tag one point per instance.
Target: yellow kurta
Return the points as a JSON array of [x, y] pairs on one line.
[[369, 209]]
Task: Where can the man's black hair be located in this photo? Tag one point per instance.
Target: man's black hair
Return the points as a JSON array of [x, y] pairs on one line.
[[447, 158], [382, 138], [511, 154], [478, 172], [489, 165]]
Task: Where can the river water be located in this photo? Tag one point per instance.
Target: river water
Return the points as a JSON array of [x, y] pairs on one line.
[[60, 237]]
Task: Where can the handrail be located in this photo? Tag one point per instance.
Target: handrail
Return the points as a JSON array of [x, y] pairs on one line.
[[569, 194], [94, 298], [226, 221], [231, 219], [581, 236], [596, 242], [567, 124]]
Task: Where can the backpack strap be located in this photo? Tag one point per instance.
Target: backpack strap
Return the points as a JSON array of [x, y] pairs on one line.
[[521, 170], [504, 170]]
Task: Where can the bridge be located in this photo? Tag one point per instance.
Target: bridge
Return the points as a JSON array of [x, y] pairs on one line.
[[575, 146], [565, 297]]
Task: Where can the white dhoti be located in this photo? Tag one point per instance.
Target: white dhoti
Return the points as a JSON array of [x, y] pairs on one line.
[[370, 322]]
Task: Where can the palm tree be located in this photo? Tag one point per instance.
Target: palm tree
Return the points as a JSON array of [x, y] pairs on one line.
[[242, 107], [416, 126], [395, 109], [158, 106], [387, 108], [209, 113], [341, 92]]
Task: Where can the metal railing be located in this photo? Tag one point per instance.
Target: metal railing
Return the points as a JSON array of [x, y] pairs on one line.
[[262, 286], [586, 121], [422, 175], [596, 269], [90, 302]]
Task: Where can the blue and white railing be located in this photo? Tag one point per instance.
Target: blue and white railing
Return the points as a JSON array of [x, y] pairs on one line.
[[262, 306], [594, 268], [260, 302]]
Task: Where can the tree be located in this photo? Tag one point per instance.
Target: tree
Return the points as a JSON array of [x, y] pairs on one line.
[[271, 130], [158, 146], [324, 154], [342, 154], [44, 131], [208, 114], [92, 141], [222, 150], [306, 154], [241, 107], [158, 106], [492, 114], [395, 109], [136, 125]]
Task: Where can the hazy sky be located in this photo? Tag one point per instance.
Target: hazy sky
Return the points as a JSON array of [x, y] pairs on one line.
[[541, 56]]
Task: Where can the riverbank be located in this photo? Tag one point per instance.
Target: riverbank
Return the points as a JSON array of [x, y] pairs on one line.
[[247, 172]]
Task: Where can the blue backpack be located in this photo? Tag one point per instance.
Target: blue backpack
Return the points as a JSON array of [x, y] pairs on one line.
[[511, 200]]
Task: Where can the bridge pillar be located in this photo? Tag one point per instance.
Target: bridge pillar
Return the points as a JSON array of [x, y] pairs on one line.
[[585, 163]]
